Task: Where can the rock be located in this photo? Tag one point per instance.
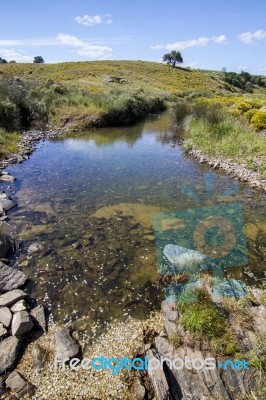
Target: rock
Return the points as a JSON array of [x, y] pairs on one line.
[[171, 316], [182, 258], [10, 278], [3, 330], [6, 246], [35, 248], [7, 203], [9, 298], [38, 357], [7, 178], [9, 351], [157, 376], [65, 346], [139, 390], [19, 306], [5, 316], [39, 318], [18, 384], [21, 323], [229, 288]]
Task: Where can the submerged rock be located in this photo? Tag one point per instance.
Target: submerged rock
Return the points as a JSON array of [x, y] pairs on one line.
[[66, 347], [182, 258]]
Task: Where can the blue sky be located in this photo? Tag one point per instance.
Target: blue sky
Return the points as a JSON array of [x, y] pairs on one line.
[[209, 34]]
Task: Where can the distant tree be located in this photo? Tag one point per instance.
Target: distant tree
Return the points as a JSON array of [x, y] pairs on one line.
[[38, 60], [173, 58], [12, 62], [2, 61]]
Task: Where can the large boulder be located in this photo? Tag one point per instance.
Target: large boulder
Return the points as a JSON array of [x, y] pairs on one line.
[[9, 351], [10, 278]]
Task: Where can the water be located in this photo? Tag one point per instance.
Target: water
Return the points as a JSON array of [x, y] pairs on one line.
[[89, 199]]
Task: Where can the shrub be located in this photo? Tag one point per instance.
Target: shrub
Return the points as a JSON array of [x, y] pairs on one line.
[[258, 121], [180, 111]]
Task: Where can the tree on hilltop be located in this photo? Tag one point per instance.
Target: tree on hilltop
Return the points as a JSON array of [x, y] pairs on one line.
[[173, 58], [38, 60]]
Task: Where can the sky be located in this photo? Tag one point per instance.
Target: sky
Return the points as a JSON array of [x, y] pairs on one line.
[[209, 34]]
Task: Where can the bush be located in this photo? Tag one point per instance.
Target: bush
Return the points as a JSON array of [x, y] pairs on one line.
[[180, 111], [258, 121]]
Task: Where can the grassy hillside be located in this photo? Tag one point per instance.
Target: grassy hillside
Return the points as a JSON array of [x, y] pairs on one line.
[[149, 76]]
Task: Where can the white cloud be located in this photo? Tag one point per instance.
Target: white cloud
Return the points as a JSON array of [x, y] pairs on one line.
[[185, 44], [219, 39], [83, 48], [89, 20], [200, 42], [10, 54], [157, 47], [250, 37]]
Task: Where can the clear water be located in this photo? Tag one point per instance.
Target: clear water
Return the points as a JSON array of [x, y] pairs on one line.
[[89, 199]]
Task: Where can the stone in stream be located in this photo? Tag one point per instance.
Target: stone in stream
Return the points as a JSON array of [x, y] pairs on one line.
[[21, 323], [7, 178], [10, 278], [6, 246], [39, 318], [38, 356], [18, 384], [9, 298], [7, 203], [182, 258], [65, 346], [35, 248], [5, 316], [9, 351]]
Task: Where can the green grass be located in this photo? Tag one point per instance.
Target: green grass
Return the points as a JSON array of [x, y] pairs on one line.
[[8, 143], [205, 321], [218, 131]]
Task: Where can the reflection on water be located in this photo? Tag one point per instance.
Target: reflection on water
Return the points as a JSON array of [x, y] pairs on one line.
[[90, 199]]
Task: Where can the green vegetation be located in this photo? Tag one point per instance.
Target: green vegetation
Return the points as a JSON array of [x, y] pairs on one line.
[[227, 127], [8, 143], [244, 80], [107, 93], [204, 320]]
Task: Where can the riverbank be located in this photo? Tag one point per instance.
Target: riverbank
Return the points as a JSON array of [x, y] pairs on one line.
[[227, 133], [236, 170]]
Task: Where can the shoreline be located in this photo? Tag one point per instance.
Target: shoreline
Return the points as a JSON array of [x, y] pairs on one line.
[[228, 166]]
